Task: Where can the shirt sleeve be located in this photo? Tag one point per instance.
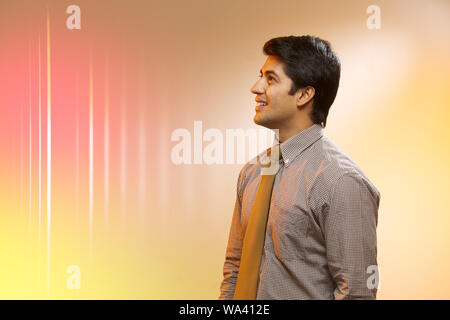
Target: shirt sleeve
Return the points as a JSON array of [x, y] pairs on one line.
[[233, 251], [349, 225]]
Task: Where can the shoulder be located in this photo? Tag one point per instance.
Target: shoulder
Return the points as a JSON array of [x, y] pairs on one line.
[[336, 170]]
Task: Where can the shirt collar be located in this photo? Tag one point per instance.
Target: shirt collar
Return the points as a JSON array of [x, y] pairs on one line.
[[295, 145]]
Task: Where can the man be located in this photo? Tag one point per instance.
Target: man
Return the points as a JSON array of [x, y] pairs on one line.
[[319, 240]]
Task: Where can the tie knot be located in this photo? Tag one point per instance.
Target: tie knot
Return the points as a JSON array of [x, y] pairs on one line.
[[275, 152]]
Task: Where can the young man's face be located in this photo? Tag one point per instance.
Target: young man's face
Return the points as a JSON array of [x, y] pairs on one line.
[[273, 89]]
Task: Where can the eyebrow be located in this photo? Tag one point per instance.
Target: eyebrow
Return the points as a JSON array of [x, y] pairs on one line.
[[271, 72]]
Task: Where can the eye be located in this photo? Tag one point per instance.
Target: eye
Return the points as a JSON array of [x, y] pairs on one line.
[[269, 78]]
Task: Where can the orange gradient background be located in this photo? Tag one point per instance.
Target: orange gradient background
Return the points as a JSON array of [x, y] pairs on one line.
[[140, 227]]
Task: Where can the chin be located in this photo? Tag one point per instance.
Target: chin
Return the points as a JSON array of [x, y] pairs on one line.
[[261, 121], [258, 120]]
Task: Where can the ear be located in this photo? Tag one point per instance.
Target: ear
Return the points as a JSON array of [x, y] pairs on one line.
[[304, 95]]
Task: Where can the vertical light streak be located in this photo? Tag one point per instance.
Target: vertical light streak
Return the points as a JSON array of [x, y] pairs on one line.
[[142, 146], [30, 153], [163, 184], [106, 144], [49, 153], [40, 157], [163, 164], [22, 169], [123, 145], [91, 153], [77, 152]]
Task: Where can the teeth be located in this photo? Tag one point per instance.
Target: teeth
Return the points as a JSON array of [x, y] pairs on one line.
[[261, 104]]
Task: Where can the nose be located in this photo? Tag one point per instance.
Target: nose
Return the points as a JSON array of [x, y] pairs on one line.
[[258, 87]]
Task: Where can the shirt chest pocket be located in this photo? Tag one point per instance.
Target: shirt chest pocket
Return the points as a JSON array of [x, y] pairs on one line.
[[288, 228]]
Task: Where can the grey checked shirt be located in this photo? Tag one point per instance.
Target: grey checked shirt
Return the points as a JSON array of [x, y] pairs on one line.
[[320, 239]]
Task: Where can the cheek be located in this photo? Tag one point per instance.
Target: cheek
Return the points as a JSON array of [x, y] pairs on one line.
[[271, 94]]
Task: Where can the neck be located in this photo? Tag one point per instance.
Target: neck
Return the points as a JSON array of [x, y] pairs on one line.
[[285, 133]]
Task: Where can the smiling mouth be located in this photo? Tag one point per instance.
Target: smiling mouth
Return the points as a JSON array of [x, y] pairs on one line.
[[260, 106]]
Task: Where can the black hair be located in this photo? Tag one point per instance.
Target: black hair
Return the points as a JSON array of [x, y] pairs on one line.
[[309, 61]]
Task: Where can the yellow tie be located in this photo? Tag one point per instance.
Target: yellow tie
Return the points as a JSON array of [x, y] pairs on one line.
[[253, 243]]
